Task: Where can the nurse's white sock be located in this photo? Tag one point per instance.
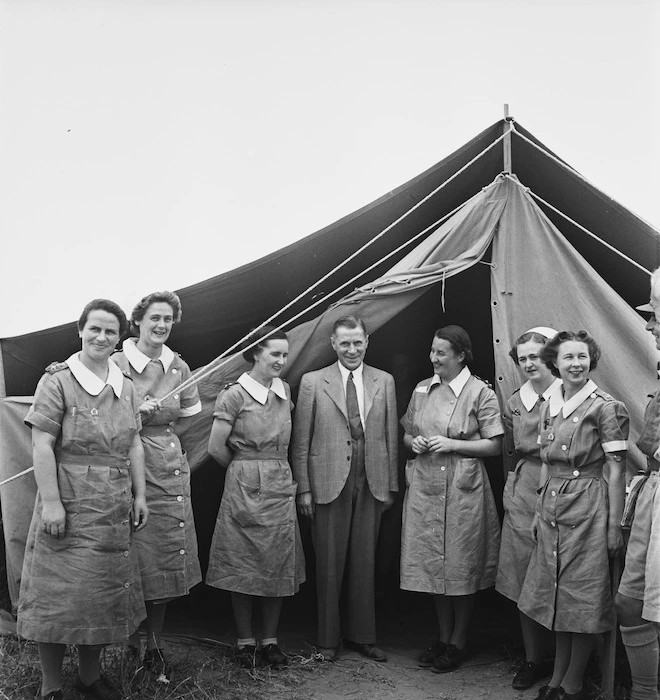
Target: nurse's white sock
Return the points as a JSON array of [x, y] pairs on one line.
[[641, 643], [268, 640], [247, 642]]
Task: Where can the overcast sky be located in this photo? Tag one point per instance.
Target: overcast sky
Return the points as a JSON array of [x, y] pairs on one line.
[[151, 145]]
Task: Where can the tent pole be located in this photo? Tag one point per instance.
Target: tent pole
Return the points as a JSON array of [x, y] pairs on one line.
[[507, 140], [3, 386]]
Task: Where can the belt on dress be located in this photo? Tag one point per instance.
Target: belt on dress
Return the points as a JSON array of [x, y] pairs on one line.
[[260, 454], [586, 471], [164, 429], [101, 460]]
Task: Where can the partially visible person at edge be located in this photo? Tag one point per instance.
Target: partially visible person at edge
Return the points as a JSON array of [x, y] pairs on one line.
[[81, 583], [638, 597], [256, 552], [583, 438], [451, 534], [344, 458], [167, 549], [521, 421]]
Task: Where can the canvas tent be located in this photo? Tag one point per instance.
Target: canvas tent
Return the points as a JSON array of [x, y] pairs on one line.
[[499, 236]]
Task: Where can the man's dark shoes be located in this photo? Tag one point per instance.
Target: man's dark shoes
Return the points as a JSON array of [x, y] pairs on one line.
[[100, 689], [369, 651], [450, 659], [431, 653], [246, 656], [547, 692]]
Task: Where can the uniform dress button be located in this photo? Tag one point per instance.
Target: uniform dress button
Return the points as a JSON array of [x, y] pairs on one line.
[[291, 498], [177, 472], [127, 584], [168, 430], [552, 523], [449, 413], [182, 524], [575, 419], [172, 444], [554, 493], [94, 411], [564, 447], [554, 553], [128, 398], [442, 468], [125, 554], [179, 498], [593, 396], [176, 396], [175, 370], [182, 551], [128, 462], [576, 473]]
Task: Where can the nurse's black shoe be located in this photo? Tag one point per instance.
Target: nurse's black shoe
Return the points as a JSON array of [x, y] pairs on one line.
[[449, 660], [580, 695], [155, 663], [547, 692], [100, 689], [273, 656], [431, 653], [246, 656], [53, 695]]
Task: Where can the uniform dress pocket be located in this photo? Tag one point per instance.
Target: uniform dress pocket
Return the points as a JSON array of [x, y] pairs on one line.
[[508, 494], [566, 507], [246, 498], [409, 469], [468, 474]]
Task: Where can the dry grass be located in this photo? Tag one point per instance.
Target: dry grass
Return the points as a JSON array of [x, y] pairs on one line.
[[199, 671]]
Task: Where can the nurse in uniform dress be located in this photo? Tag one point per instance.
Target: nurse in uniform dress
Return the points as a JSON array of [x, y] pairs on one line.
[[256, 550], [583, 438], [521, 422], [451, 533], [80, 582], [167, 549]]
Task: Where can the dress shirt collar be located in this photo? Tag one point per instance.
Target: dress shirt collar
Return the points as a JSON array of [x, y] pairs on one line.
[[258, 391], [529, 397], [557, 402], [90, 382], [138, 360], [357, 373]]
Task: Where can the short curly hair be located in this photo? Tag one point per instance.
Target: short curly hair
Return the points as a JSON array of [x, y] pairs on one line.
[[262, 335], [107, 306], [550, 350], [526, 338], [143, 305]]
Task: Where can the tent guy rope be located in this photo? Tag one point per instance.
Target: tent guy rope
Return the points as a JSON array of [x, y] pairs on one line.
[[201, 374], [582, 228], [208, 369]]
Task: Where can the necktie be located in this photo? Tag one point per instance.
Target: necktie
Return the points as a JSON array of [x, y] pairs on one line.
[[353, 409]]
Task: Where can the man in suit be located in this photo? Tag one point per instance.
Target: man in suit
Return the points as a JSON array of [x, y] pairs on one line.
[[344, 458]]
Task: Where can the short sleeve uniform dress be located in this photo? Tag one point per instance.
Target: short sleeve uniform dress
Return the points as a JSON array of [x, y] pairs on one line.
[[167, 547], [256, 547], [85, 587], [567, 587], [521, 423], [451, 534]]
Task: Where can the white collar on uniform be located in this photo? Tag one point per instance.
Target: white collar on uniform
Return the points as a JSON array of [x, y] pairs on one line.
[[456, 384], [258, 391], [529, 397], [90, 382], [557, 402], [138, 360]]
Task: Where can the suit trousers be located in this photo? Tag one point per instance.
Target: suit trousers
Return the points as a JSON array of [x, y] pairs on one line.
[[345, 534]]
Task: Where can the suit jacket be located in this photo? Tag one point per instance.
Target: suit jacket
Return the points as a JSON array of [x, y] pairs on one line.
[[321, 440]]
